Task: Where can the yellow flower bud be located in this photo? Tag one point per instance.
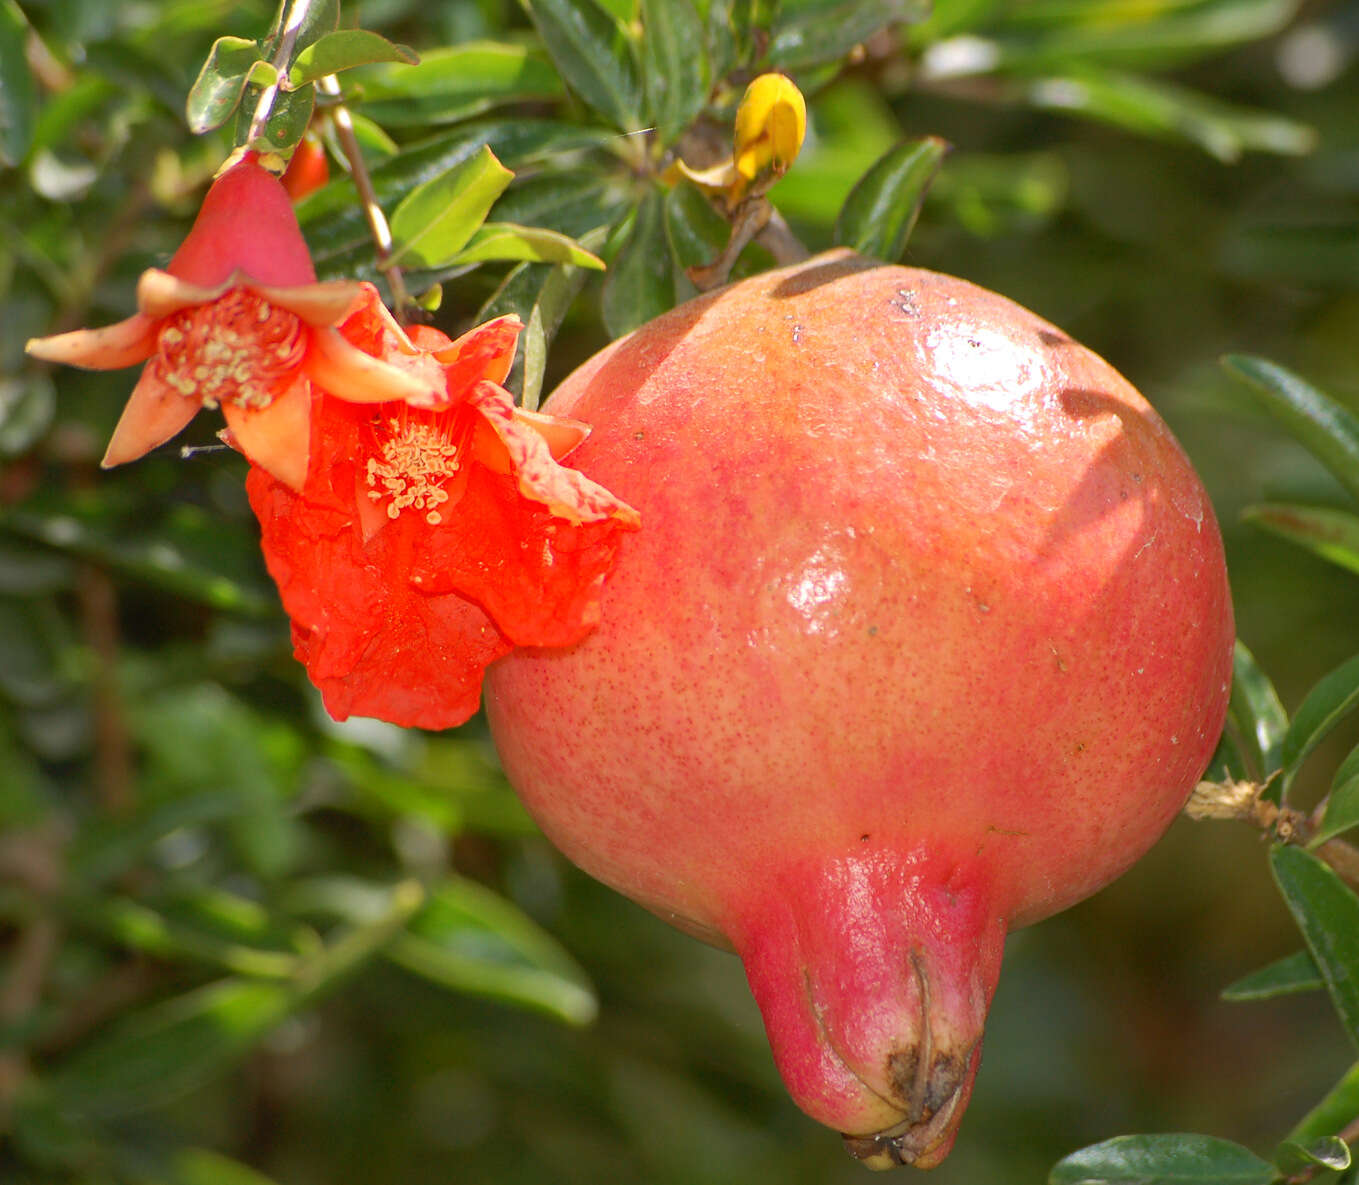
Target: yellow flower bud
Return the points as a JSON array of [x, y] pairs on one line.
[[770, 125]]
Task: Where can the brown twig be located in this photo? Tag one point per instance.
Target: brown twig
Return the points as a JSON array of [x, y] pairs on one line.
[[377, 221]]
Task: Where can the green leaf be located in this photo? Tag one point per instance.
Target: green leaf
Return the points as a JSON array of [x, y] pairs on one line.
[[1327, 913], [455, 82], [1155, 107], [808, 32], [638, 284], [27, 408], [217, 90], [200, 1166], [880, 211], [594, 56], [506, 240], [471, 940], [1333, 698], [696, 233], [1284, 977], [541, 294], [287, 121], [156, 1054], [1342, 803], [18, 95], [1333, 1113], [436, 219], [1328, 1152], [1255, 713], [1173, 1159], [674, 66], [1330, 533], [343, 50], [1326, 428]]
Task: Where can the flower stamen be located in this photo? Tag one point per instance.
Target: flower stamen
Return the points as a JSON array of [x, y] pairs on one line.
[[239, 349], [416, 459]]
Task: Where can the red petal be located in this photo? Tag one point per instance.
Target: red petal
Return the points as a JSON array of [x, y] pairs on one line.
[[483, 353], [125, 343], [154, 413], [277, 437], [374, 644], [246, 223]]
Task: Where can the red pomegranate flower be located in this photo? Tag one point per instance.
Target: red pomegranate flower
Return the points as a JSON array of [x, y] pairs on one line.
[[236, 321], [431, 538]]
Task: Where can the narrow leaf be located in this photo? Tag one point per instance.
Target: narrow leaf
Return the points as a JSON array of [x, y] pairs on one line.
[[1328, 703], [1328, 429], [343, 50], [696, 232], [217, 90], [18, 95], [1327, 913], [506, 240], [880, 211], [455, 82], [638, 286], [1331, 1115], [435, 221], [1328, 1152], [1342, 803], [1256, 713], [815, 31], [1330, 533], [674, 66], [1284, 977], [594, 55], [158, 1053], [1174, 1159]]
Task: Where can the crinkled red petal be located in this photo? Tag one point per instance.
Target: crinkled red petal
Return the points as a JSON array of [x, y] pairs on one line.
[[372, 642]]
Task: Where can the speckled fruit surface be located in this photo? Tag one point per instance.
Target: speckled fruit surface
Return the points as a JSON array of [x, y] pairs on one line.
[[926, 635]]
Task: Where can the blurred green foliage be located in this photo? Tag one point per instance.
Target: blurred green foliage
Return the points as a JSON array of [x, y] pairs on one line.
[[236, 934]]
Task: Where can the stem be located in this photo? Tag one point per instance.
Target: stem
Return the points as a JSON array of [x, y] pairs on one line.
[[297, 14], [377, 221]]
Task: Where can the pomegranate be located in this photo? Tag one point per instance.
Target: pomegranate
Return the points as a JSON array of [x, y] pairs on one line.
[[926, 635]]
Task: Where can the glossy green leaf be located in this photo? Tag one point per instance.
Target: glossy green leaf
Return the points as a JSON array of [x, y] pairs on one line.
[[1156, 107], [157, 1053], [1330, 533], [1284, 977], [319, 17], [506, 240], [1327, 913], [674, 66], [593, 55], [1332, 699], [541, 294], [471, 940], [436, 219], [1255, 713], [217, 91], [18, 95], [696, 232], [808, 32], [1333, 1113], [1171, 1159], [880, 212], [287, 123], [455, 82], [1342, 803], [1328, 1152], [1329, 430], [343, 50], [638, 284]]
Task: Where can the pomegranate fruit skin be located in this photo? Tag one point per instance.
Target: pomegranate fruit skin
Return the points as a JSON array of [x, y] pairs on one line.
[[926, 635]]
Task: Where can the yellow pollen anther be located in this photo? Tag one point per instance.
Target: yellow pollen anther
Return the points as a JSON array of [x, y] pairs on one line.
[[239, 350], [416, 460]]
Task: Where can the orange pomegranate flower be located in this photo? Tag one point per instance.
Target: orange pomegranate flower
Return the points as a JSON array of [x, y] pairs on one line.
[[238, 321], [431, 539]]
